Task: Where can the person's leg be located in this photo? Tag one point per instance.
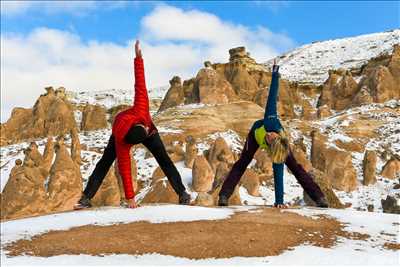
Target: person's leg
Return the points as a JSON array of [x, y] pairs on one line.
[[304, 178], [101, 169], [233, 178], [156, 147]]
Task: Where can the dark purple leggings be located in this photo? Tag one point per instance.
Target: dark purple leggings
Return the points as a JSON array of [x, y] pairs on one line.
[[249, 149]]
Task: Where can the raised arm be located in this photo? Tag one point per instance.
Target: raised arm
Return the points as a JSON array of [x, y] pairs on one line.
[[270, 109], [141, 101]]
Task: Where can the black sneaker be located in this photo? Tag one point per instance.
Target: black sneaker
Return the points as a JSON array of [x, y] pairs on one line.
[[184, 199], [222, 200], [83, 203], [322, 203]]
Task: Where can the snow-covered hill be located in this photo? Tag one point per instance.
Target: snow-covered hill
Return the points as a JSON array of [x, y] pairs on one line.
[[310, 63]]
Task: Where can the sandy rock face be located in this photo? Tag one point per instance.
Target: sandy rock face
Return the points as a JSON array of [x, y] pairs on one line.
[[93, 118], [339, 90], [391, 169], [48, 154], [204, 199], [190, 152], [24, 193], [51, 115], [109, 192], [213, 88], [203, 175], [326, 187], [336, 164], [161, 192], [175, 95], [75, 147], [251, 182], [65, 182], [369, 167], [263, 162], [220, 152], [33, 153]]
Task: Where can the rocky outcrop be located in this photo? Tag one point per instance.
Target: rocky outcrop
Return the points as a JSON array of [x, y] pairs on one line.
[[213, 88], [190, 152], [109, 191], [93, 118], [336, 164], [369, 167], [32, 153], [51, 115], [391, 169], [219, 152], [338, 90], [203, 175], [391, 205], [204, 199], [48, 154], [65, 182], [75, 147], [263, 162], [380, 82], [175, 95], [251, 182], [175, 152], [326, 187], [161, 192], [25, 193]]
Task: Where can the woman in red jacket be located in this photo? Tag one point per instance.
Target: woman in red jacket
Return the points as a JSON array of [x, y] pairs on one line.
[[133, 126]]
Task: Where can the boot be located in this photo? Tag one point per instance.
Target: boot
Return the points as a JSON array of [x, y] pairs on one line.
[[222, 200], [83, 203]]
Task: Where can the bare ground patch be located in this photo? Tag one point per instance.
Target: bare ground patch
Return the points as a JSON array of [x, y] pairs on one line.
[[267, 232]]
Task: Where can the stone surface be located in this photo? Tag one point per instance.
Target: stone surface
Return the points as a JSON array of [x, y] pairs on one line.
[[203, 175]]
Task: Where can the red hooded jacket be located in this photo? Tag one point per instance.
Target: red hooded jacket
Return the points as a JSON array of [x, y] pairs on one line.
[[138, 114]]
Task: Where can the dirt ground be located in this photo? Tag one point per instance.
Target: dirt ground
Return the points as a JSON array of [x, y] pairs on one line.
[[266, 232]]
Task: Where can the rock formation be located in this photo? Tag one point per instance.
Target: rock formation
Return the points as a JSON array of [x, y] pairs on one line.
[[324, 183], [25, 193], [336, 164], [369, 167], [161, 192], [65, 182], [51, 115], [251, 182], [204, 199], [190, 152], [203, 175], [220, 152], [390, 205], [93, 118], [175, 95], [391, 169], [75, 147], [109, 191]]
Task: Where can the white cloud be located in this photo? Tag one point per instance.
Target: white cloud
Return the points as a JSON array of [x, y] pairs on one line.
[[174, 42]]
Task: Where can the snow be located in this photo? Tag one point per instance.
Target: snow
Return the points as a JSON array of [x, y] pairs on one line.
[[382, 228], [310, 63], [112, 97]]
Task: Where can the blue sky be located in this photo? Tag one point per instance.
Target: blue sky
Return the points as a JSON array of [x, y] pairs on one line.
[[88, 45], [303, 21]]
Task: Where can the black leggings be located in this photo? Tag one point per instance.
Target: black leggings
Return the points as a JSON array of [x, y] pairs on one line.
[[154, 144]]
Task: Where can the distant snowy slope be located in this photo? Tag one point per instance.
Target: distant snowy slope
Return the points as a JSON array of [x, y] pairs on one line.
[[113, 97], [311, 62]]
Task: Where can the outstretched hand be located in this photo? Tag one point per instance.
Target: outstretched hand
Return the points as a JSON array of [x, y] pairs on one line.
[[138, 51], [281, 206], [275, 67], [132, 203]]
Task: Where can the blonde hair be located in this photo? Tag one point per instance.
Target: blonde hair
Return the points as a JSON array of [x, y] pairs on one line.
[[279, 149]]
